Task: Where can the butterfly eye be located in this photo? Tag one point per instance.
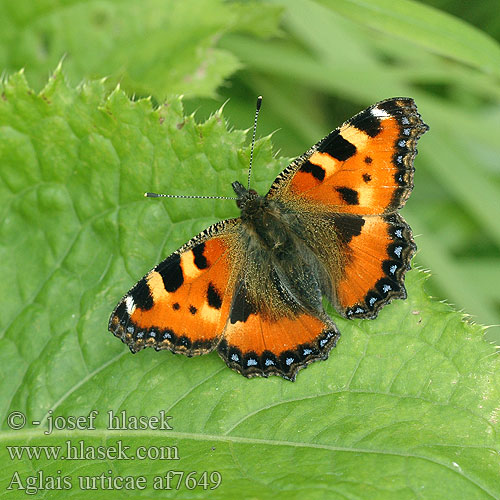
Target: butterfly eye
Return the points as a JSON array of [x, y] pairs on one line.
[[253, 192]]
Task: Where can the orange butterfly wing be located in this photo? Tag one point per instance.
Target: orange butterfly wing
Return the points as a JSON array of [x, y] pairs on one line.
[[375, 260], [256, 344], [183, 303], [361, 174]]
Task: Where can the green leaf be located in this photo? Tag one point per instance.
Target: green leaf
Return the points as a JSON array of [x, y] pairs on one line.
[[153, 47], [407, 405]]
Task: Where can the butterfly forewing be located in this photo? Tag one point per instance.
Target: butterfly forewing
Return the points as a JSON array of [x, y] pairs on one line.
[[183, 303], [363, 167]]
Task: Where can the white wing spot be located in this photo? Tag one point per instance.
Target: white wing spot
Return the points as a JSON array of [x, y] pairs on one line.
[[130, 304], [379, 113]]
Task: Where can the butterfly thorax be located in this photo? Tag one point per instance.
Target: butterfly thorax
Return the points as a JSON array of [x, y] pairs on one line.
[[265, 220]]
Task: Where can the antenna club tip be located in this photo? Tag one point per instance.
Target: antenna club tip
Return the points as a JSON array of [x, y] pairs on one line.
[[259, 102]]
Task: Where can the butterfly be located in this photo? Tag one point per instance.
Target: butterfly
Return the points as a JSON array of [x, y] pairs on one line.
[[252, 287]]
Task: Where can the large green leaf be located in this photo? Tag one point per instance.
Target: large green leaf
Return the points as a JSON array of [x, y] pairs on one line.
[[406, 406]]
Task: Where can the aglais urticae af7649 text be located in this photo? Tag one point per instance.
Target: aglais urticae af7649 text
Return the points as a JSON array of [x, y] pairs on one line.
[[252, 287]]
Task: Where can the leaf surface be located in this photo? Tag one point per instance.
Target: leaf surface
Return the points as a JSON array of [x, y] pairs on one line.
[[406, 406]]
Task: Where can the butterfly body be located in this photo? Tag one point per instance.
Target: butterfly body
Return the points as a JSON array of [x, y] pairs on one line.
[[278, 263], [253, 287]]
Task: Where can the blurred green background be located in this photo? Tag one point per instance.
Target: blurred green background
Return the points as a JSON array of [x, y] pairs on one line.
[[316, 63]]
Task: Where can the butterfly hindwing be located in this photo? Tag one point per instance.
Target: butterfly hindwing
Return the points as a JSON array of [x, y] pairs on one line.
[[377, 250], [256, 344], [183, 303]]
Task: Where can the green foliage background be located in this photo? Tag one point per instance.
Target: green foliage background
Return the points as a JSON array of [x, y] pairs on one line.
[[407, 406]]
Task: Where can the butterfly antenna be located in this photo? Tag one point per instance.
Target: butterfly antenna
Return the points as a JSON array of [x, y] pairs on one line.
[[159, 195], [257, 109]]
